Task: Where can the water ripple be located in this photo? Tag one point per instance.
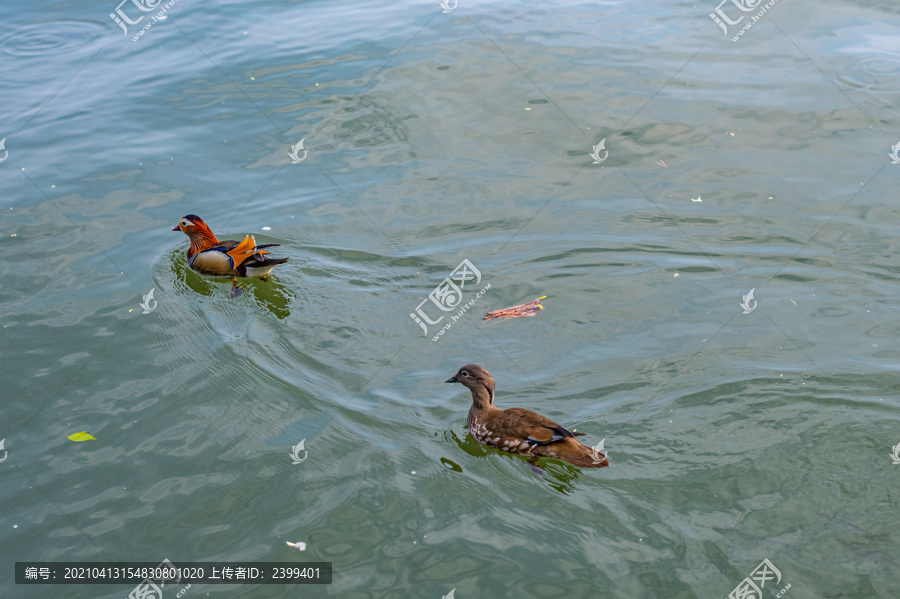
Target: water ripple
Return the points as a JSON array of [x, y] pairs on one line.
[[51, 37], [879, 73]]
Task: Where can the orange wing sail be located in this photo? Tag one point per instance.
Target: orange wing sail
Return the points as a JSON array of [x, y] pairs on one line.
[[242, 251]]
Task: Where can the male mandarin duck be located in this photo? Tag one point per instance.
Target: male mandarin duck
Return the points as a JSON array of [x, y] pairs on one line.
[[519, 430], [213, 258]]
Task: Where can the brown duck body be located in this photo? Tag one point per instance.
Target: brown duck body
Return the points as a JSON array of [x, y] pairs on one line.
[[518, 430], [213, 258]]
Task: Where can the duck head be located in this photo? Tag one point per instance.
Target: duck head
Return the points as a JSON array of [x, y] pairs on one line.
[[201, 236], [190, 223], [478, 380]]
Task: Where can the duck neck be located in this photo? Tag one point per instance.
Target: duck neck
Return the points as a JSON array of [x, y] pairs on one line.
[[202, 239], [482, 398]]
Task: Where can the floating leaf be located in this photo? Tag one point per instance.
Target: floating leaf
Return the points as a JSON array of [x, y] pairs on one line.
[[529, 309], [82, 436]]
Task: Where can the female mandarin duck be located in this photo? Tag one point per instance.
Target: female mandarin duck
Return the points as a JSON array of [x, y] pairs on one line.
[[213, 258], [519, 430]]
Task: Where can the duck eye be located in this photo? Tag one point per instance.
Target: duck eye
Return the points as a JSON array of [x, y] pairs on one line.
[[464, 373]]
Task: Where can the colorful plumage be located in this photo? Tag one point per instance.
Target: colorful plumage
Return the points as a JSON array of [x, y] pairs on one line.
[[518, 430], [213, 258]]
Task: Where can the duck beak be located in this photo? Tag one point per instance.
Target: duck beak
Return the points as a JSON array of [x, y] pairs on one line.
[[452, 379], [176, 228]]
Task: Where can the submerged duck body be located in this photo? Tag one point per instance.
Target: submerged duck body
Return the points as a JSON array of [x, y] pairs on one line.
[[518, 430], [213, 258]]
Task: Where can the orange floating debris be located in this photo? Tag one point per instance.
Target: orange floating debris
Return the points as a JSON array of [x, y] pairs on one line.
[[529, 309]]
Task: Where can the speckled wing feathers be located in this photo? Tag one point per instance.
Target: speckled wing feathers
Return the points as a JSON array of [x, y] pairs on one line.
[[525, 432], [525, 424]]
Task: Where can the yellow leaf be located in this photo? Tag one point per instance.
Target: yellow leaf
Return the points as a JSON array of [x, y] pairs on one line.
[[82, 436]]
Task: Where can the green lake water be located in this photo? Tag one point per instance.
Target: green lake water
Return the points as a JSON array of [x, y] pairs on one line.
[[739, 428]]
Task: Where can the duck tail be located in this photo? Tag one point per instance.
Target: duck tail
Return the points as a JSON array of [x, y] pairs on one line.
[[581, 455]]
